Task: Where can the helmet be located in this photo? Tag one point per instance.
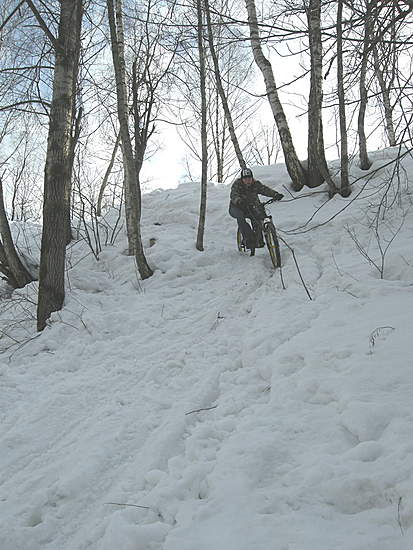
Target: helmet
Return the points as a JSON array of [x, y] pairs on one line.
[[246, 173]]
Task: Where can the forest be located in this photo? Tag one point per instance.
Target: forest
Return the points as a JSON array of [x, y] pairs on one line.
[[88, 88]]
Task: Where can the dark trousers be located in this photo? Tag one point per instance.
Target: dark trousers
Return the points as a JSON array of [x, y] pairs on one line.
[[250, 235]]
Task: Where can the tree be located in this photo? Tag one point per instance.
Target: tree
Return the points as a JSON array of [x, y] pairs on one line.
[[345, 189], [293, 165], [234, 69], [10, 264], [130, 162], [58, 170], [365, 162], [204, 148], [317, 165], [386, 50], [220, 87], [107, 175], [264, 145]]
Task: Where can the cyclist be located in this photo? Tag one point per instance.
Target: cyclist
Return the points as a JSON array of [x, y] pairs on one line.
[[244, 201]]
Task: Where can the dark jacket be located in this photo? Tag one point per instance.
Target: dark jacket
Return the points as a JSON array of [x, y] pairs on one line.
[[244, 195]]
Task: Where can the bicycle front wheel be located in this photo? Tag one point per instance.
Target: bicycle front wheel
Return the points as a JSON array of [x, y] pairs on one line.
[[240, 243], [272, 244]]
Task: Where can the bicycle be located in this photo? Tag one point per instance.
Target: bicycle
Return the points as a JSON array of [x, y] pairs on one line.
[[264, 220]]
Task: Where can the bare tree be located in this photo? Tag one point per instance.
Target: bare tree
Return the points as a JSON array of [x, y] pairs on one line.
[[234, 66], [293, 165], [107, 175], [345, 189], [265, 145], [365, 162], [132, 194], [221, 90], [317, 165], [10, 263], [387, 48], [58, 161], [204, 148]]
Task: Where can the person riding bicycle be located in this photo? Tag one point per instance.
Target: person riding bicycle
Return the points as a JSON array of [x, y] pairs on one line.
[[244, 203]]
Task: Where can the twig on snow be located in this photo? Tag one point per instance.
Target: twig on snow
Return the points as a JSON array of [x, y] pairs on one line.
[[398, 516], [199, 410], [376, 333], [217, 320], [297, 266], [282, 277], [22, 344], [124, 504]]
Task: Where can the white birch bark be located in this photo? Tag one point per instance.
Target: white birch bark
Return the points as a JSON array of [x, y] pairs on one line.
[[345, 189], [204, 147], [385, 93], [317, 166], [293, 165], [363, 155], [132, 209]]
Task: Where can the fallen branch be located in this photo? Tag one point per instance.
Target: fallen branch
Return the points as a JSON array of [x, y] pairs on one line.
[[297, 266], [398, 516], [282, 277], [124, 504], [199, 410]]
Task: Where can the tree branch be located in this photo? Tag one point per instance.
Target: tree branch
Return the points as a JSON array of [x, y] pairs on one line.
[[2, 25], [44, 27]]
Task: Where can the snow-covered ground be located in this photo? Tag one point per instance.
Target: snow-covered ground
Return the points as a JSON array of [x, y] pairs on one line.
[[208, 407]]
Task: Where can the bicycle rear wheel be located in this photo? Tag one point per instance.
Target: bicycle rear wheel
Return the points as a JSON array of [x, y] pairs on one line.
[[272, 244]]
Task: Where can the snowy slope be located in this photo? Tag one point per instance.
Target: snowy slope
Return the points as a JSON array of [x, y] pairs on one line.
[[305, 440]]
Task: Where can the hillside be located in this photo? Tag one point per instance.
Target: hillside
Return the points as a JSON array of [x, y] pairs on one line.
[[208, 407]]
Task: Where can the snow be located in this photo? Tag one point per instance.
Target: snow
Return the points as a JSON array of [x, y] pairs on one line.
[[208, 407]]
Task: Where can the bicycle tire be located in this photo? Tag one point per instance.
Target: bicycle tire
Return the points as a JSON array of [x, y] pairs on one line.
[[272, 244], [240, 245]]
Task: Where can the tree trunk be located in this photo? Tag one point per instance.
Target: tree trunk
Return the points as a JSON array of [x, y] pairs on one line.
[[385, 92], [58, 166], [73, 141], [221, 91], [204, 147], [10, 263], [131, 177], [293, 165], [345, 189], [106, 176], [317, 166], [363, 155], [219, 142]]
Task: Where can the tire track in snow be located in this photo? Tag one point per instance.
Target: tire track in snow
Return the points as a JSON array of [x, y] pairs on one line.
[[70, 485]]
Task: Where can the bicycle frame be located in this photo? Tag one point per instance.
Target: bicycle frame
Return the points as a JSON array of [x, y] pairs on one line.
[[267, 226]]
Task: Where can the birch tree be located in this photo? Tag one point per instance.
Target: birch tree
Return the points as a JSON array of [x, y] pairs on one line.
[[317, 165], [132, 192], [345, 186], [58, 159], [220, 87], [292, 162], [365, 162], [204, 147]]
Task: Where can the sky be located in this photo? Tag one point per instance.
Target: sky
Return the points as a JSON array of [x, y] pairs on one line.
[[214, 405]]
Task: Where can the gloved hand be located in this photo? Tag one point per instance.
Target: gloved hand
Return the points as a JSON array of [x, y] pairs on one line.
[[278, 196]]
